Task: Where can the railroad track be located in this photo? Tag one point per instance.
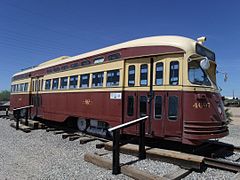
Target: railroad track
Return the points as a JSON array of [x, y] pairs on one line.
[[224, 164]]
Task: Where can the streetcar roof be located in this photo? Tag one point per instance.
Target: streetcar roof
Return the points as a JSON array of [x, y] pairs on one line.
[[186, 44]]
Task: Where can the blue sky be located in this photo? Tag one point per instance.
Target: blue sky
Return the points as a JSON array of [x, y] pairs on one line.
[[33, 31]]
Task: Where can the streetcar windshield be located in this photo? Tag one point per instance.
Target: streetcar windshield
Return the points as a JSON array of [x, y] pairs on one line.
[[197, 75]]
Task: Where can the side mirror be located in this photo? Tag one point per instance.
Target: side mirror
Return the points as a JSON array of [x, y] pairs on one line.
[[205, 63]]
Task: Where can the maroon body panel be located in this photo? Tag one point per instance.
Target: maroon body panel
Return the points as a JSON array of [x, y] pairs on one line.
[[198, 117], [89, 105], [203, 117], [19, 100]]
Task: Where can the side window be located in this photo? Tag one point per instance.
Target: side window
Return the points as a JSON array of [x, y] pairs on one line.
[[130, 106], [97, 79], [26, 87], [33, 85], [131, 75], [48, 84], [64, 83], [85, 62], [98, 60], [42, 85], [114, 56], [21, 87], [73, 82], [144, 75], [172, 107], [84, 81], [55, 83], [113, 78], [143, 106], [158, 107], [174, 73], [159, 74]]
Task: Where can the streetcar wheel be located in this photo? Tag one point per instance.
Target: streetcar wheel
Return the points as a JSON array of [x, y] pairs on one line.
[[82, 124]]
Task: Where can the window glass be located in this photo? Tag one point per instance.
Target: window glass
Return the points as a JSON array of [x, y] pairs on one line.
[[12, 88], [75, 65], [42, 85], [64, 83], [21, 87], [64, 67], [174, 71], [144, 75], [131, 75], [97, 79], [84, 81], [172, 107], [33, 86], [56, 69], [159, 73], [114, 56], [130, 106], [48, 84], [36, 85], [113, 78], [73, 82], [26, 87], [143, 106], [85, 62], [158, 107], [55, 83], [196, 75], [98, 60]]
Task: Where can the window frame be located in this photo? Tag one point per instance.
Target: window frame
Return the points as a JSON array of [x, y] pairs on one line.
[[75, 80], [156, 73], [88, 82], [158, 118], [61, 81], [140, 106], [53, 88], [143, 74], [170, 73], [115, 83], [132, 107], [50, 82], [96, 76], [99, 60], [177, 114], [134, 76], [114, 56]]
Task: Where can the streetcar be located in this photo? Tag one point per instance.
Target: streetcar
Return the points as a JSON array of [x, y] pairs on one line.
[[170, 79]]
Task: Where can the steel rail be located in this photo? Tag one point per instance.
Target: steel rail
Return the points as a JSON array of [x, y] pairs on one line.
[[236, 149], [222, 164]]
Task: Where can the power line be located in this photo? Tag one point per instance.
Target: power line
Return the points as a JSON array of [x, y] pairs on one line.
[[54, 19], [9, 33]]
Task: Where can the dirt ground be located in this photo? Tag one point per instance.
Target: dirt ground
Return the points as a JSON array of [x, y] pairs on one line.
[[235, 115]]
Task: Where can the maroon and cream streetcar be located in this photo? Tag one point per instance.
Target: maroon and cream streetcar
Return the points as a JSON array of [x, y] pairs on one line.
[[171, 79]]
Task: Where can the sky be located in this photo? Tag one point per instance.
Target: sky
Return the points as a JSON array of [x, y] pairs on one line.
[[33, 31]]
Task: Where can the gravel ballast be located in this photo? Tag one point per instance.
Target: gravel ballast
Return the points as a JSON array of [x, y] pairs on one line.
[[43, 155]]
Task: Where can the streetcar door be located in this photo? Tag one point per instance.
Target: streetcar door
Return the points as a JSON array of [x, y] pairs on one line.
[[173, 99], [158, 108], [36, 99]]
